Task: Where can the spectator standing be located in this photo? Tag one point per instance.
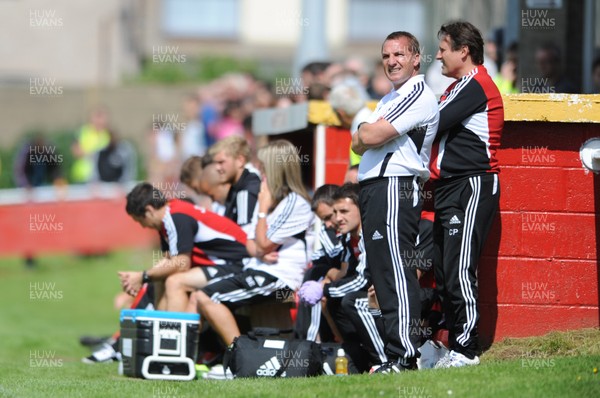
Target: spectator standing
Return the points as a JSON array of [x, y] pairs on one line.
[[92, 137], [349, 102], [115, 163]]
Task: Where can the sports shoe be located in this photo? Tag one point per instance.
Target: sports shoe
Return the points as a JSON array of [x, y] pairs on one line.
[[455, 360], [217, 372], [397, 366], [106, 353], [92, 341]]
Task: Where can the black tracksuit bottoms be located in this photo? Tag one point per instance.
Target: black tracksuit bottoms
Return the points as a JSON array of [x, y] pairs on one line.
[[464, 211], [390, 211]]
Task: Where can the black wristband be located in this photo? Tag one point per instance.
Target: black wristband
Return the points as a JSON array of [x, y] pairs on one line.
[[145, 277]]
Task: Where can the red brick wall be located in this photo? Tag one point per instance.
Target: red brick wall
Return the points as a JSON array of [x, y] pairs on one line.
[[539, 271]]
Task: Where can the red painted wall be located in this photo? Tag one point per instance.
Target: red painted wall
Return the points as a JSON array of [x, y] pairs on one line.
[[539, 270], [337, 142], [86, 227]]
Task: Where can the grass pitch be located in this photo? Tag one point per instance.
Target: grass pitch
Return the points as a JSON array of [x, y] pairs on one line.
[[43, 312]]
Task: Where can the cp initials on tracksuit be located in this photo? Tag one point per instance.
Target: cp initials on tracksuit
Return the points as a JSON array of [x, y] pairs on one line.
[[465, 173]]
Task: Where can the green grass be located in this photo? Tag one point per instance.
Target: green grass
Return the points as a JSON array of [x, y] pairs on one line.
[[40, 354]]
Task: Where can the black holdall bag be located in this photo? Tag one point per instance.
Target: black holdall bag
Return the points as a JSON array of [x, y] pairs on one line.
[[262, 353]]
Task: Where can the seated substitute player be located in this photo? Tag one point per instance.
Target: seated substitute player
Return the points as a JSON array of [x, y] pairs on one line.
[[284, 225], [346, 297], [308, 318], [198, 245], [202, 176], [231, 156]]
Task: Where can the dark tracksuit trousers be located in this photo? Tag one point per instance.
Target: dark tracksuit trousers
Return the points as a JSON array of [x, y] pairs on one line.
[[464, 211], [355, 307], [390, 211]]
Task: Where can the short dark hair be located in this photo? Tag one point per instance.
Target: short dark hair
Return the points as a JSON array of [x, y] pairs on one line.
[[414, 46], [324, 194], [462, 33], [142, 195], [348, 191], [316, 67]]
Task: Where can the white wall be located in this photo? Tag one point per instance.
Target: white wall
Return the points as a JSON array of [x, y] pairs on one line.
[[74, 42]]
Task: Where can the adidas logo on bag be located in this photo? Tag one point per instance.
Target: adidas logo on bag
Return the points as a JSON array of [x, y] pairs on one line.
[[376, 235], [269, 368], [454, 220]]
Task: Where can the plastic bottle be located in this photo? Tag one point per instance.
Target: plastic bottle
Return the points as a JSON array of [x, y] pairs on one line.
[[341, 363]]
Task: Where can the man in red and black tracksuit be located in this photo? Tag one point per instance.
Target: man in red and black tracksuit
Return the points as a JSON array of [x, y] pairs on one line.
[[199, 246], [465, 170]]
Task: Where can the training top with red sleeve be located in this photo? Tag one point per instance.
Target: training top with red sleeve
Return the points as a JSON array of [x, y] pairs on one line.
[[471, 123], [212, 239]]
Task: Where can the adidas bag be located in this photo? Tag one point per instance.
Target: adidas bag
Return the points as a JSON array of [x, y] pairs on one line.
[[257, 355]]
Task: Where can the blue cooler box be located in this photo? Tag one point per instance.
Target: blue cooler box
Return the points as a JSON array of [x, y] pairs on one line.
[[159, 344]]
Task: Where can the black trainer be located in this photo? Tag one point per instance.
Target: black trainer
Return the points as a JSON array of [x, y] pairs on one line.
[[397, 366], [93, 341]]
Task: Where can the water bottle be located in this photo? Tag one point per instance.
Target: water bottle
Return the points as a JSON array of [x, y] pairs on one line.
[[341, 363]]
